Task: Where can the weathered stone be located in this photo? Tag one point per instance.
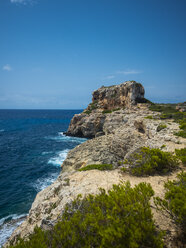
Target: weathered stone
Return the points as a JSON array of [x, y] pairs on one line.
[[118, 96], [94, 120]]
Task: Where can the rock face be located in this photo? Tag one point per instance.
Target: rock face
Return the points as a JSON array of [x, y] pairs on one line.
[[91, 122], [118, 96]]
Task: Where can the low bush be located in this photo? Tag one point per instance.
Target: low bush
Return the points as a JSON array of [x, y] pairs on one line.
[[182, 132], [168, 111], [175, 200], [147, 161], [106, 111], [88, 112], [121, 218], [181, 154], [97, 167], [149, 117], [91, 106], [161, 127]]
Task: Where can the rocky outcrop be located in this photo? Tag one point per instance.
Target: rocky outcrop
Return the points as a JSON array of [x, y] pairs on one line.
[[105, 100], [118, 96]]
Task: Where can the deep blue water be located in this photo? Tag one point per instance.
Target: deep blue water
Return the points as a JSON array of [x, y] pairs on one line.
[[32, 148]]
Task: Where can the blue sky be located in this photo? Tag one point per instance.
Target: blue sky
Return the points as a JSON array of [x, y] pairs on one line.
[[54, 53]]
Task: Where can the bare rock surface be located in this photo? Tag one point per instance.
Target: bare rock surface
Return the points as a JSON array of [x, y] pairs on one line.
[[94, 119]]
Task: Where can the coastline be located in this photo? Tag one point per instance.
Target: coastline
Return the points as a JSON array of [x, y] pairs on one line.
[[122, 132]]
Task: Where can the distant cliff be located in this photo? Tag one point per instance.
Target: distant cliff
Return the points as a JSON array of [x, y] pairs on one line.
[[105, 100]]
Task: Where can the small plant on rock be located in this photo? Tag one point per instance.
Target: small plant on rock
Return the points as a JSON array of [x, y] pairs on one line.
[[161, 127], [97, 167]]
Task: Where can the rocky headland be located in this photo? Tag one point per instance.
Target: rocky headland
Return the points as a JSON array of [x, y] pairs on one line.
[[118, 121], [93, 121]]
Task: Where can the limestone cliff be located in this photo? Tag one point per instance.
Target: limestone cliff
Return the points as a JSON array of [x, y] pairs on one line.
[[118, 134], [93, 120]]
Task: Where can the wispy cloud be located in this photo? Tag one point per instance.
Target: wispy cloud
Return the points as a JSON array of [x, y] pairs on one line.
[[123, 72], [110, 77], [22, 1], [128, 72], [7, 68]]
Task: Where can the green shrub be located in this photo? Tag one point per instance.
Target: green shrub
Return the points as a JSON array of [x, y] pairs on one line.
[[183, 125], [97, 167], [181, 154], [91, 106], [181, 133], [161, 127], [163, 146], [148, 161], [121, 218], [106, 111], [149, 117], [88, 112], [175, 200], [165, 108], [116, 109], [168, 111]]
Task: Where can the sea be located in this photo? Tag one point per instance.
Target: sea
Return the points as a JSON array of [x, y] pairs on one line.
[[32, 148]]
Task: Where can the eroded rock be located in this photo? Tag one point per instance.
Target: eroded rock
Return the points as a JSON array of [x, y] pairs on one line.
[[105, 101]]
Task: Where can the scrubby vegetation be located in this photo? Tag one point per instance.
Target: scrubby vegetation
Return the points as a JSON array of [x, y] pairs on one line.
[[174, 202], [182, 132], [161, 127], [106, 111], [149, 117], [169, 111], [147, 161], [97, 167], [181, 154], [121, 218], [91, 107]]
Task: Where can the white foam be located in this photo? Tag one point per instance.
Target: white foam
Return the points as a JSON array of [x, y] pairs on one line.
[[59, 158], [45, 153], [63, 138], [42, 183], [7, 226]]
